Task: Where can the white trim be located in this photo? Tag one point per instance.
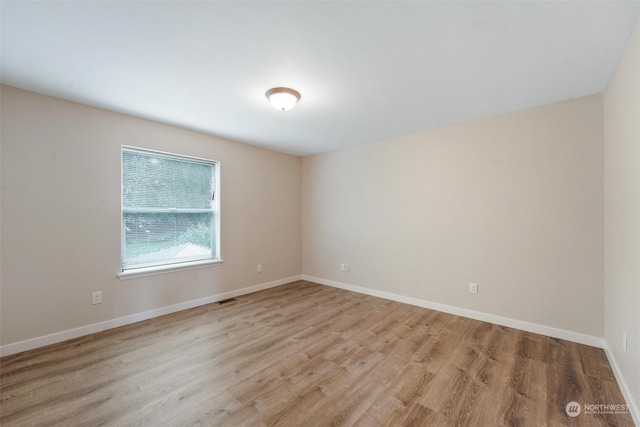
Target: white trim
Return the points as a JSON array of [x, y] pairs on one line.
[[166, 268], [29, 344], [168, 154], [485, 317], [215, 211], [626, 393]]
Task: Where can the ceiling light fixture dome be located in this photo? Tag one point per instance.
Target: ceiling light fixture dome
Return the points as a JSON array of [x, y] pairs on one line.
[[283, 98]]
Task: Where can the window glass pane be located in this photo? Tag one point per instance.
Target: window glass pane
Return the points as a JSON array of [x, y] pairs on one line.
[[167, 209], [152, 238], [157, 181]]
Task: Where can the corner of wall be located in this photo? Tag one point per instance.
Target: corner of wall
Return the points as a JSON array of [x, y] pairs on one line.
[[621, 230]]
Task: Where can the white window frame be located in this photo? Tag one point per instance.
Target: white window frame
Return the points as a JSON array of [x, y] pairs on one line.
[[215, 259]]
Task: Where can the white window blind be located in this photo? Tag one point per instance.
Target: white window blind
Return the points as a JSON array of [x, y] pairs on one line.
[[168, 209]]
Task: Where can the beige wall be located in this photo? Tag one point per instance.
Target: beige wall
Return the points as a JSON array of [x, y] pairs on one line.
[[622, 214], [514, 203], [61, 216]]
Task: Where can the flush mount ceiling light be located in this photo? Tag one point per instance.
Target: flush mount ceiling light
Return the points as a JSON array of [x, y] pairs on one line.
[[283, 98]]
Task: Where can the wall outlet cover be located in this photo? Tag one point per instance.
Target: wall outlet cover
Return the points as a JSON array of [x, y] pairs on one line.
[[96, 298]]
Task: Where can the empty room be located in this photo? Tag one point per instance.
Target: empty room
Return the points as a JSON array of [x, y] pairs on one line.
[[301, 213]]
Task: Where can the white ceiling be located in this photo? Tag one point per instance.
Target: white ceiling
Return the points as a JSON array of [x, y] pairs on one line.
[[367, 71]]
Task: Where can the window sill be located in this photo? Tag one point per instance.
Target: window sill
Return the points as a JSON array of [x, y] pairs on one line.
[[151, 271]]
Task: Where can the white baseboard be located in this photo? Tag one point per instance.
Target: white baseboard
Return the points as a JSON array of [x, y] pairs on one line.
[[30, 344], [633, 406], [498, 320]]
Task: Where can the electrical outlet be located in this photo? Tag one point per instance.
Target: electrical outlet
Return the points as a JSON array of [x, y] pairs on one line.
[[259, 268], [347, 268], [473, 288], [342, 267], [96, 298], [297, 261], [625, 346]]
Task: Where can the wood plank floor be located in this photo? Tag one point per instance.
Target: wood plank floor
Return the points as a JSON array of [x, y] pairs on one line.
[[304, 354]]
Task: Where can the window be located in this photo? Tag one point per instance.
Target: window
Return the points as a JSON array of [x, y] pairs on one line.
[[169, 210]]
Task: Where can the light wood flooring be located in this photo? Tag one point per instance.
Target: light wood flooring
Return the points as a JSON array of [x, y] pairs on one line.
[[304, 354]]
